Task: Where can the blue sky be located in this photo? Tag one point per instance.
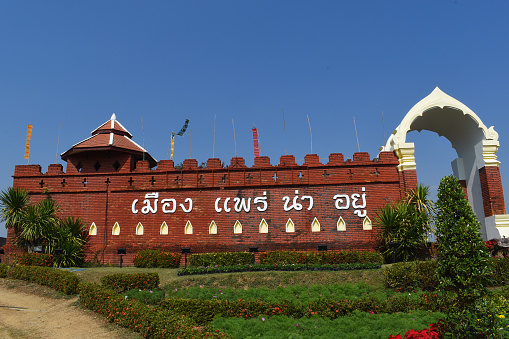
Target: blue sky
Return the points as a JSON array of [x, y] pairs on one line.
[[72, 64]]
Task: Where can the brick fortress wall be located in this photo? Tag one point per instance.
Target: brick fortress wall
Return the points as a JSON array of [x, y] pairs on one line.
[[131, 194]]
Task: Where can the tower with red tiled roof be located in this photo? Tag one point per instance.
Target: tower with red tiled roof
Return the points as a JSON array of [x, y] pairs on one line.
[[109, 149]]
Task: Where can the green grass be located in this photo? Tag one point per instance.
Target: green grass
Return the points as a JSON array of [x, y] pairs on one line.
[[301, 294], [270, 279], [359, 325]]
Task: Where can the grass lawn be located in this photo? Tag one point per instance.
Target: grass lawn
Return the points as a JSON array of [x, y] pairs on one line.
[[358, 325]]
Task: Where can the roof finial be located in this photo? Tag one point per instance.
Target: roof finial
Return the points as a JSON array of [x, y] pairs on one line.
[[113, 117]]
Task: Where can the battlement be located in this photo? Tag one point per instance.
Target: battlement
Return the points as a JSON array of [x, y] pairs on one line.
[[359, 169]]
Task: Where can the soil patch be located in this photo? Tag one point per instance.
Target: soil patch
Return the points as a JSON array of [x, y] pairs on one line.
[[33, 311]]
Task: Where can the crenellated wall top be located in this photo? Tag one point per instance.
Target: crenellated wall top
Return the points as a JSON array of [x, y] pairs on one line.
[[236, 163]]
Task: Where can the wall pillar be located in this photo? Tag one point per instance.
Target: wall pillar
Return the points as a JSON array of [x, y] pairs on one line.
[[496, 219], [407, 167]]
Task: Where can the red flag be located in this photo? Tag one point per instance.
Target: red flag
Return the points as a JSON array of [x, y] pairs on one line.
[[255, 142]]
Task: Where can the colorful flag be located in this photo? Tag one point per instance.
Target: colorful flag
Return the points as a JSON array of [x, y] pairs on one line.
[[172, 145], [184, 128], [27, 146], [255, 142]]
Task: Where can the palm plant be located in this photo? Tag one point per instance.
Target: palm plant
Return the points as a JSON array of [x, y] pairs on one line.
[[70, 236], [13, 202], [407, 223], [37, 223]]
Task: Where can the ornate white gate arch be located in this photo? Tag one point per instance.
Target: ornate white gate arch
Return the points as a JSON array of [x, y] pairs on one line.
[[476, 167]]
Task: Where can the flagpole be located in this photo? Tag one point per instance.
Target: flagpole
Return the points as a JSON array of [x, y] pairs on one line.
[[190, 141], [355, 126], [310, 134]]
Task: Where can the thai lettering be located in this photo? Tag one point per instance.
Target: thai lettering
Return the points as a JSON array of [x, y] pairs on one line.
[[240, 204], [342, 202], [296, 205], [216, 205], [262, 200], [167, 203], [339, 200], [226, 208], [149, 208], [133, 206], [187, 201]]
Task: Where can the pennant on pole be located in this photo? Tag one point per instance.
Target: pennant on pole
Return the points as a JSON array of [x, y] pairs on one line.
[[172, 145], [184, 128], [255, 142], [27, 146]]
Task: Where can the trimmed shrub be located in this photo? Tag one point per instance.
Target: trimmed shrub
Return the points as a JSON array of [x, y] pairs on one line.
[[331, 258], [156, 258], [149, 321], [276, 267], [63, 281], [36, 259], [221, 259], [409, 276], [122, 282]]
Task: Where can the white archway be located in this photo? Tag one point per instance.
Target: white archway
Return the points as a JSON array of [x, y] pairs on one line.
[[475, 144]]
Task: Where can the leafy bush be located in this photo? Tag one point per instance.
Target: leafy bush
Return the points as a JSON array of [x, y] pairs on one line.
[[63, 281], [408, 276], [122, 282], [36, 259], [464, 267], [500, 274], [156, 258], [3, 270], [331, 258], [147, 320], [152, 297], [221, 259]]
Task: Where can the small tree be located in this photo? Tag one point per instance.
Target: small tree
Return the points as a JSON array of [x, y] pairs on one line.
[[407, 223], [463, 264]]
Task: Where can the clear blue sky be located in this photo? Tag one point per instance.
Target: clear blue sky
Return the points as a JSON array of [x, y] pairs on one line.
[[74, 63]]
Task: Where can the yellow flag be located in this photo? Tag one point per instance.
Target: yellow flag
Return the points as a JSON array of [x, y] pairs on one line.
[[172, 146], [27, 146]]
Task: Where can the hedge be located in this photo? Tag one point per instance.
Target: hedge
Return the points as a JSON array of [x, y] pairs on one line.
[[63, 281], [122, 282], [156, 258], [148, 320], [331, 258], [275, 267], [221, 259], [407, 276], [36, 259]]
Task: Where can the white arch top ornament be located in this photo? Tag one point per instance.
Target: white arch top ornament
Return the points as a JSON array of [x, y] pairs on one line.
[[439, 99]]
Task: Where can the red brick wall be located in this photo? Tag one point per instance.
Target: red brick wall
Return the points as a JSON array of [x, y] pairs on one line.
[[492, 191], [107, 197]]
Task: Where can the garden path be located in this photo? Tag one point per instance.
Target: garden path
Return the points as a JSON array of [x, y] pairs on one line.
[[26, 315]]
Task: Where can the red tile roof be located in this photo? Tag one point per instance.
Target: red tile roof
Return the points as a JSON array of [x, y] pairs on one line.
[[109, 136]]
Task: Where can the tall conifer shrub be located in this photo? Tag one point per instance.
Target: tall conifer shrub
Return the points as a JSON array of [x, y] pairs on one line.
[[463, 265]]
